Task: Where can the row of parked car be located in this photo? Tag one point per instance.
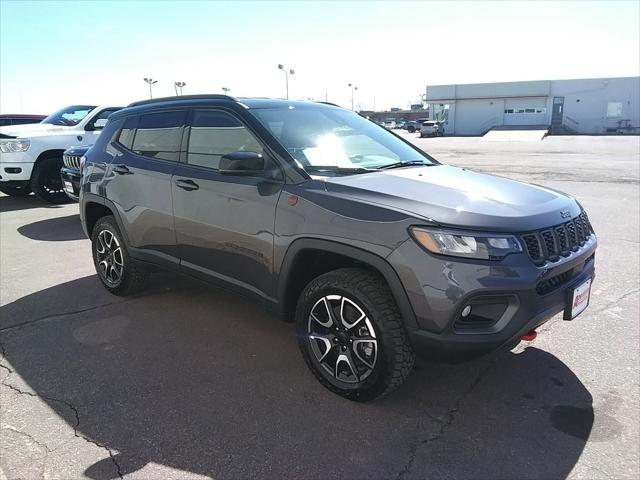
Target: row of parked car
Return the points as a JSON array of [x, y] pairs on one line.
[[425, 127], [33, 154]]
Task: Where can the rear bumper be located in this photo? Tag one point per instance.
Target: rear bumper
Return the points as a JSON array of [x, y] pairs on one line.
[[444, 287], [71, 182]]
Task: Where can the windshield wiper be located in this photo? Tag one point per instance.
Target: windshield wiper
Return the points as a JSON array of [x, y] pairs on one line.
[[337, 169], [406, 163]]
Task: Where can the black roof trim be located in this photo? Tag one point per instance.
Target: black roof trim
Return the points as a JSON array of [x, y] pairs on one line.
[[182, 97]]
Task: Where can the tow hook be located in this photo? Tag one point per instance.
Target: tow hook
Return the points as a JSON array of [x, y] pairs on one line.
[[529, 336]]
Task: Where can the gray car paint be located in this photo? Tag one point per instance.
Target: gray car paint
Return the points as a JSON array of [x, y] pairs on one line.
[[237, 231]]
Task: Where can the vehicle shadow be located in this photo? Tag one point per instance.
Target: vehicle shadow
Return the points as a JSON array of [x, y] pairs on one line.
[[58, 229], [11, 204], [201, 380]]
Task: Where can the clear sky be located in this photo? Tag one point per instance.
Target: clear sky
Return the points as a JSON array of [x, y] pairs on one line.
[[58, 53]]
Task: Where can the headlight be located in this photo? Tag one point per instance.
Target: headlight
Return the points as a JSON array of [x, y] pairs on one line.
[[469, 245], [14, 145]]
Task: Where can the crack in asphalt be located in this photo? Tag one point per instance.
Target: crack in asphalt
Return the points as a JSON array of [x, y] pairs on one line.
[[80, 310], [69, 405], [62, 314], [444, 424], [620, 298]]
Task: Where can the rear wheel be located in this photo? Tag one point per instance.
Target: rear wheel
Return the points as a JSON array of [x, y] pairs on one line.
[[15, 190], [118, 272], [351, 334], [46, 182]]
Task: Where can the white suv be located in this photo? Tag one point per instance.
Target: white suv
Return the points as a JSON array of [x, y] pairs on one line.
[[31, 155]]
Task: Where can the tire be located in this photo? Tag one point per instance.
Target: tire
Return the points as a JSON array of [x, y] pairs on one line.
[[46, 182], [365, 341], [15, 191], [118, 272]]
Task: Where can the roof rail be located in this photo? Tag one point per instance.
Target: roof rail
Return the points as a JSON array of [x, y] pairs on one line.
[[183, 97], [329, 103]]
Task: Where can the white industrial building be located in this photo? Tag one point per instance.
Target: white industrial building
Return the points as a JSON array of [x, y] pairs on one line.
[[584, 106]]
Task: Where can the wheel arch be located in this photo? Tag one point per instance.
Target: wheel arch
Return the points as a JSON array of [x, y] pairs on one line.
[[296, 272], [95, 207], [53, 152]]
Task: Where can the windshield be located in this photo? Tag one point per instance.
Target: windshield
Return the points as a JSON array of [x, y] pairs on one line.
[[331, 137], [69, 116]]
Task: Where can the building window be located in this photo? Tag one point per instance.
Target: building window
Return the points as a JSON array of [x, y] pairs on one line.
[[509, 111], [614, 109]]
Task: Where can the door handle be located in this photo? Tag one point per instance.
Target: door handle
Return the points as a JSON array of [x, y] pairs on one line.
[[187, 185], [122, 170]]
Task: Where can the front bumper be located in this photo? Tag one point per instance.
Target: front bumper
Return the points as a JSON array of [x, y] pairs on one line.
[[441, 287], [71, 182], [15, 167]]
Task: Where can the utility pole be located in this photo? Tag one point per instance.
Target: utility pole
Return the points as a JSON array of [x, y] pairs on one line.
[[151, 82], [286, 76]]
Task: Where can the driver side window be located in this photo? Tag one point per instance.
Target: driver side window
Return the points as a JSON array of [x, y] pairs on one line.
[[213, 134]]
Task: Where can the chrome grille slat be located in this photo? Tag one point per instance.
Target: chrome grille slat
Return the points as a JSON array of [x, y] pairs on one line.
[[71, 161]]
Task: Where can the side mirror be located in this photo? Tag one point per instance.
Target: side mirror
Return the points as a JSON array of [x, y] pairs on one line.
[[248, 164], [97, 125]]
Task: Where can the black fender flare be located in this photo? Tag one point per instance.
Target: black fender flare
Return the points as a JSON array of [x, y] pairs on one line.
[[93, 198], [375, 261]]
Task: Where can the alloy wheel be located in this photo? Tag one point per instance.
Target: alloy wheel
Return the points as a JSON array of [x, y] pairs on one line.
[[342, 339], [109, 257]]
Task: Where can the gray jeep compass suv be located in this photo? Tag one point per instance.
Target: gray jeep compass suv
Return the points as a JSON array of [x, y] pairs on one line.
[[378, 251]]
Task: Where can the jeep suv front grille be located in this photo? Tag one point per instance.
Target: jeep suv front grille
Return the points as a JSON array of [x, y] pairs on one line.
[[71, 161], [549, 244]]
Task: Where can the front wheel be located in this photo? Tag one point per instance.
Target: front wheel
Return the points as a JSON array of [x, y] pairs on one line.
[[15, 190], [351, 334], [46, 182], [118, 272]]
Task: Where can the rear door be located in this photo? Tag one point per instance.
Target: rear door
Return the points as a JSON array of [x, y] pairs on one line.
[[224, 224], [140, 183]]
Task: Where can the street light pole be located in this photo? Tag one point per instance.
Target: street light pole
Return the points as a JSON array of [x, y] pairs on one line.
[[151, 82], [286, 76], [225, 90], [178, 85], [353, 88]]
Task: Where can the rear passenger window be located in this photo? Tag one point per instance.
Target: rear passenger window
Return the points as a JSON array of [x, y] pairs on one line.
[[214, 134], [125, 137], [159, 134]]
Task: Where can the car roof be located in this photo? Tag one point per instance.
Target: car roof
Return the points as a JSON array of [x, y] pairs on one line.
[[250, 103]]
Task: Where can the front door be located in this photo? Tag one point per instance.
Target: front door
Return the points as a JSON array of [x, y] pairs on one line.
[[224, 224], [557, 111]]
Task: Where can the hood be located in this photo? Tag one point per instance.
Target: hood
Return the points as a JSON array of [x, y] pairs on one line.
[[32, 129], [458, 197]]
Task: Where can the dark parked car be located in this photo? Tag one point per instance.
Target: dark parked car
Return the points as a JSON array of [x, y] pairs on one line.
[[20, 119], [414, 125], [71, 171], [374, 248]]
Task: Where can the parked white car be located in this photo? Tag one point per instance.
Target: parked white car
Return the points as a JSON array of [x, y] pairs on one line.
[[31, 155], [431, 128]]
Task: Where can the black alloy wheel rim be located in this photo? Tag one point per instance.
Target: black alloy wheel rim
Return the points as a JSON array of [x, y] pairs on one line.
[[52, 182], [342, 339]]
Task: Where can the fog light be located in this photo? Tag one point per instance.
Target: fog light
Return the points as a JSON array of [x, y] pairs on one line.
[[466, 311]]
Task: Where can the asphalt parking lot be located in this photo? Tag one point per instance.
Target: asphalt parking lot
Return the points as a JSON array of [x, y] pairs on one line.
[[188, 381]]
